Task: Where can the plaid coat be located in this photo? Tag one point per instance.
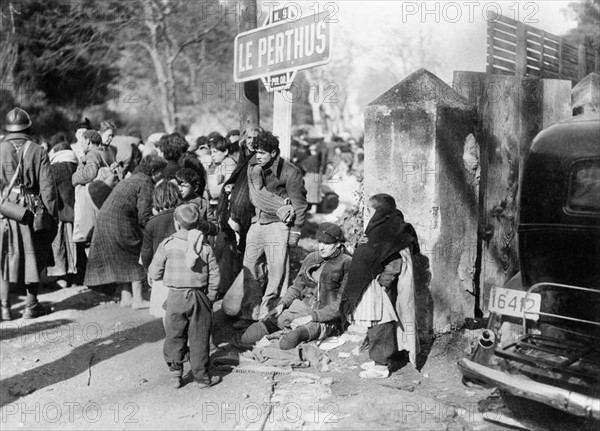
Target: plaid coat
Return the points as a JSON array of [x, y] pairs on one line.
[[117, 240]]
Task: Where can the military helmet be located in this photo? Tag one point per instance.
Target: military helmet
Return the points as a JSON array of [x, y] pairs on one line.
[[17, 120]]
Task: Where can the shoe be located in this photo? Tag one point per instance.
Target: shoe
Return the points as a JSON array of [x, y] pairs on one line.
[[367, 365], [62, 283], [6, 314], [35, 310], [242, 324], [203, 384], [377, 372], [178, 382]]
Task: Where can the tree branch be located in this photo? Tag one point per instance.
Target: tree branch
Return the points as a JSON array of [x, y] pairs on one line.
[[191, 41], [138, 43]]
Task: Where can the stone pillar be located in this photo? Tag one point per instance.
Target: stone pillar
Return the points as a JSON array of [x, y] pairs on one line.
[[420, 149], [511, 111], [585, 96]]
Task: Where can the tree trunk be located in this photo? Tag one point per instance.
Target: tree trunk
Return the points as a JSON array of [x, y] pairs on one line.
[[249, 109]]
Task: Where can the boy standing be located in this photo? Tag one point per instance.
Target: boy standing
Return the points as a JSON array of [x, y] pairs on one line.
[[187, 266]]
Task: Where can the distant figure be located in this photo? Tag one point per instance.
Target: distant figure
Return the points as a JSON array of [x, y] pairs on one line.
[[314, 167]]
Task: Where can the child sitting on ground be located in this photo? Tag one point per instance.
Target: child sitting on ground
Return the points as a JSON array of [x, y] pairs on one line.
[[187, 266]]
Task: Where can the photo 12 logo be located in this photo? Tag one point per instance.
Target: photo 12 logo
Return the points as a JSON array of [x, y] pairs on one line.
[[70, 412], [453, 12]]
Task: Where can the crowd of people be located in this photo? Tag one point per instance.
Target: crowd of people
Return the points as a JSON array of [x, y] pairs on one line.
[[196, 223]]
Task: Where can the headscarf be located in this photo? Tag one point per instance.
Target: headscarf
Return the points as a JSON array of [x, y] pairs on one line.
[[387, 234]]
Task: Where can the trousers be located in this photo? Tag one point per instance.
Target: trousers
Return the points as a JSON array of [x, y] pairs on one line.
[[188, 320], [265, 243]]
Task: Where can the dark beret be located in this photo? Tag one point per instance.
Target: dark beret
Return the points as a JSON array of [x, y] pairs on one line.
[[329, 233]]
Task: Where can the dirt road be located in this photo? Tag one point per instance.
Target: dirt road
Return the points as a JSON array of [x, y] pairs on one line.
[[94, 365]]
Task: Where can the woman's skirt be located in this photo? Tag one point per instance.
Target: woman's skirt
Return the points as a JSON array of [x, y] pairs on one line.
[[64, 251]]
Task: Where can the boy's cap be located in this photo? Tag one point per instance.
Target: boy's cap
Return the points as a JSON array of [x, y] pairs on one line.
[[187, 216], [329, 233]]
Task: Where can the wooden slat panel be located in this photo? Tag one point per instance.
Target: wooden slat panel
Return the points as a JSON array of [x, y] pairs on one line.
[[537, 47], [569, 49], [533, 72], [534, 54], [505, 28], [569, 70], [504, 64], [551, 43], [560, 61], [543, 36], [531, 44], [550, 74], [568, 58], [539, 33], [490, 47], [498, 71], [551, 60], [505, 45], [504, 36], [553, 38], [506, 20], [550, 68], [505, 55]]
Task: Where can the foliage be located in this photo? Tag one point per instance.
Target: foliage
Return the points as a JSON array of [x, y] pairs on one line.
[[352, 222], [62, 56], [587, 15], [184, 51]]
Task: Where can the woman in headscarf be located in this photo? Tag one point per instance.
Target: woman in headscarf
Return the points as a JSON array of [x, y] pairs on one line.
[[380, 292], [117, 240]]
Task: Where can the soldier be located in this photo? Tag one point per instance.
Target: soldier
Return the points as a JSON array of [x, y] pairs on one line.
[[26, 181]]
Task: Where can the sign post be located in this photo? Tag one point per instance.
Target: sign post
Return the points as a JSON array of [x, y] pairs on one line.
[[274, 53], [282, 121]]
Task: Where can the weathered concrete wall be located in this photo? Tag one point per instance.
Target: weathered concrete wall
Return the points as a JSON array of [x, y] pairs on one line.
[[511, 111], [585, 96], [415, 136]]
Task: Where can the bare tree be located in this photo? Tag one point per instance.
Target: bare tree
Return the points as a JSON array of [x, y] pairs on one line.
[[166, 29]]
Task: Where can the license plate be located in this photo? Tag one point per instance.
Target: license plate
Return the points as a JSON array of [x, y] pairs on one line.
[[513, 303]]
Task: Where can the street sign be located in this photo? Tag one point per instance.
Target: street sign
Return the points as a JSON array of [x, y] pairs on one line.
[[280, 81], [279, 48]]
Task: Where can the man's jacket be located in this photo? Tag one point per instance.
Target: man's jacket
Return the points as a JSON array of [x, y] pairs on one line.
[[322, 295]]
